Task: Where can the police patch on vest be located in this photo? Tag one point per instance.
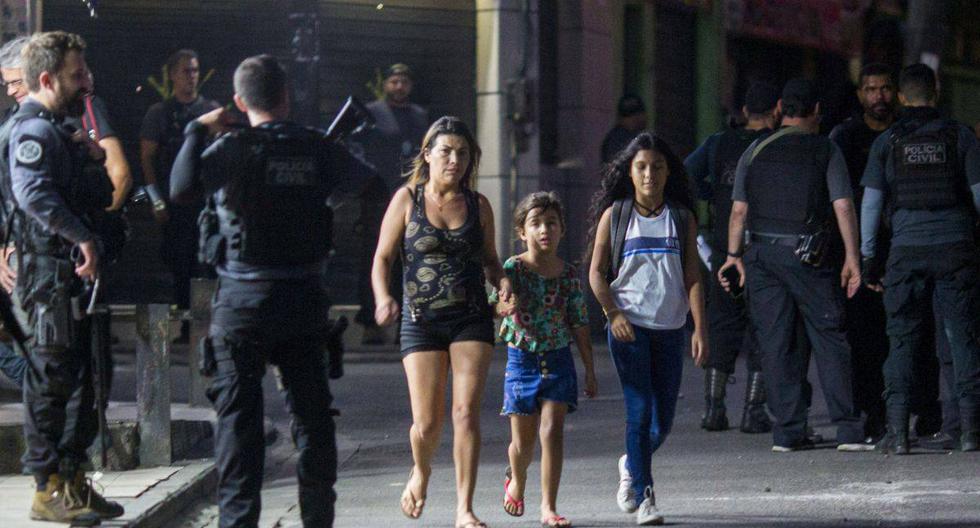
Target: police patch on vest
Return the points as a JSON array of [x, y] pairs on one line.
[[29, 152], [924, 154], [290, 171]]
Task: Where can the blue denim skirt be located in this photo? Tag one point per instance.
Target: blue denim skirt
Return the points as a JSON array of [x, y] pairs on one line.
[[531, 377]]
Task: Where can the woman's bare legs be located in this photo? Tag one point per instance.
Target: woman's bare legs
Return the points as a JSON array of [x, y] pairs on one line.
[[522, 438], [552, 432], [469, 361], [427, 374]]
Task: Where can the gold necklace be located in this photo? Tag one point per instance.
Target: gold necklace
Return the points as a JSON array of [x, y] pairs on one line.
[[436, 202]]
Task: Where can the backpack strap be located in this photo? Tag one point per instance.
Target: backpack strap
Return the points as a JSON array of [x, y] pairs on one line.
[[619, 221], [681, 216]]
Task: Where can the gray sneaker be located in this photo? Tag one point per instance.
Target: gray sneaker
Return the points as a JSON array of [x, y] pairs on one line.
[[625, 496], [647, 514]]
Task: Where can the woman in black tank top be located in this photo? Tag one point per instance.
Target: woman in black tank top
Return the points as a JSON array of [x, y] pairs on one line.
[[445, 234]]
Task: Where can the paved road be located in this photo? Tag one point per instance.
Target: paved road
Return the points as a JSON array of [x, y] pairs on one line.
[[702, 479]]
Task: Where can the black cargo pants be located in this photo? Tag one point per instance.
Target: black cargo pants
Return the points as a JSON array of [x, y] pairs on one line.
[[779, 288], [60, 421], [279, 322]]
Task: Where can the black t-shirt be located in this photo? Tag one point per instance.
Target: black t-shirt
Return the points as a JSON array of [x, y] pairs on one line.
[[164, 124], [95, 120], [854, 137], [616, 140], [410, 129]]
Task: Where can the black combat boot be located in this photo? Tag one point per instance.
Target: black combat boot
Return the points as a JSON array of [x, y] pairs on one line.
[[714, 418], [754, 417], [896, 439], [970, 423]]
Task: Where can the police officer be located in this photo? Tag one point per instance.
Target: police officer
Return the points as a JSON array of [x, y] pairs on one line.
[[390, 145], [925, 170], [790, 185], [631, 119], [12, 364], [712, 167], [93, 122], [56, 190], [269, 184], [161, 135], [865, 313]]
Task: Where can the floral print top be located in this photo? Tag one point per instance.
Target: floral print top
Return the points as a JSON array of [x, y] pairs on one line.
[[547, 309]]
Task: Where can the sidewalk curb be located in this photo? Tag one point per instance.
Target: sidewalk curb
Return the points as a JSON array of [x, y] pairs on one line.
[[173, 502]]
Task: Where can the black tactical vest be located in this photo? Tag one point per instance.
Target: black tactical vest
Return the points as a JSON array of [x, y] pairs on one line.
[[926, 169], [87, 191], [274, 211], [731, 145], [787, 186]]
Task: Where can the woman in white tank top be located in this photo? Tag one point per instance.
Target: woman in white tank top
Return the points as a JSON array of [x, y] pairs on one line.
[[643, 213]]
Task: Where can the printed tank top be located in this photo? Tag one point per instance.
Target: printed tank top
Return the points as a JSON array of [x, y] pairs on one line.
[[443, 268]]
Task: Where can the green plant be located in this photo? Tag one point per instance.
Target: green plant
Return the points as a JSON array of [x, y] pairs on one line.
[[165, 87]]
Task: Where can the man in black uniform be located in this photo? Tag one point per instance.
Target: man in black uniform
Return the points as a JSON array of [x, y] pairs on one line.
[[270, 185], [927, 169], [94, 122], [865, 313], [56, 189], [631, 120], [712, 167], [391, 145], [789, 187], [161, 135]]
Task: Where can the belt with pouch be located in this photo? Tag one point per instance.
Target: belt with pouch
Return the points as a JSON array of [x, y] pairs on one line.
[[790, 241]]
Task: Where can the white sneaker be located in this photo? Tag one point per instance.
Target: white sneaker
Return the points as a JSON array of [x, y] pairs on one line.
[[855, 447], [647, 514], [625, 497]]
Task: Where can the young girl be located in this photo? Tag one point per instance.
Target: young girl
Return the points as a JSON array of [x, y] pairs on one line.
[[540, 384], [644, 272]]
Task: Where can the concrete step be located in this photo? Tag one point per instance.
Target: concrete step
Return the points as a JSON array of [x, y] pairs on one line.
[[192, 436]]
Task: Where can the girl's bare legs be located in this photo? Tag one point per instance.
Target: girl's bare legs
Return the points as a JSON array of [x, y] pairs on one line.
[[520, 453], [427, 374], [552, 436], [469, 361]]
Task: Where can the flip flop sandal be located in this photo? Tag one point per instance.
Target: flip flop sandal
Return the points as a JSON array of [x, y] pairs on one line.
[[517, 505], [556, 521], [417, 503]]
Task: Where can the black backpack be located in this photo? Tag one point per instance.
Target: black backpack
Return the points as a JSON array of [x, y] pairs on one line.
[[619, 221]]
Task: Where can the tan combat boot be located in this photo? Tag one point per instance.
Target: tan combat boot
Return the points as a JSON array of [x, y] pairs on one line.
[[104, 508], [59, 502]]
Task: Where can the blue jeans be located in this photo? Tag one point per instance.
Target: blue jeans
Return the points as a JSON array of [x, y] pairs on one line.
[[650, 372], [12, 364]]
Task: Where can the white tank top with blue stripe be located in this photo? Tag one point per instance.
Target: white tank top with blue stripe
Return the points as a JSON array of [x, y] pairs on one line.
[[649, 288]]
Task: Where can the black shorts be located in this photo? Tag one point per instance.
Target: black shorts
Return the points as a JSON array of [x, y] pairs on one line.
[[419, 335]]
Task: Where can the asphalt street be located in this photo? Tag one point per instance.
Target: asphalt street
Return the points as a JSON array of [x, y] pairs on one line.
[[702, 479]]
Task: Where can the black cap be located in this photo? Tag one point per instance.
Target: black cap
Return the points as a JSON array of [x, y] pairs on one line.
[[799, 97], [399, 69], [761, 97], [630, 104]]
